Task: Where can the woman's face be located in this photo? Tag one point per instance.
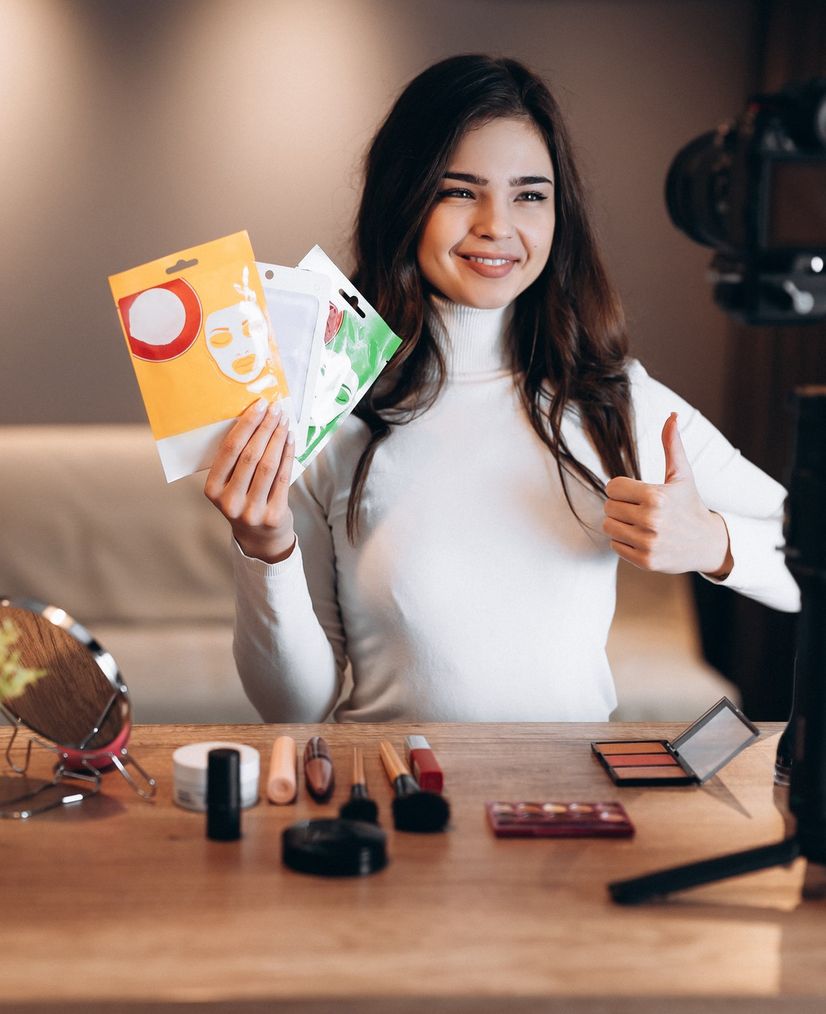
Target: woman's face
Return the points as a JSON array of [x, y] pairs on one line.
[[489, 232]]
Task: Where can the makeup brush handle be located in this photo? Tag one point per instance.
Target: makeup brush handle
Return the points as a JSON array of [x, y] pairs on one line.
[[393, 764], [406, 785], [358, 767]]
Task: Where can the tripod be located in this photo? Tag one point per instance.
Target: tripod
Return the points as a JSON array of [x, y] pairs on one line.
[[806, 554]]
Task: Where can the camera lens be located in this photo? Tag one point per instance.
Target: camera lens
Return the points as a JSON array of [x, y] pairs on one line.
[[696, 190]]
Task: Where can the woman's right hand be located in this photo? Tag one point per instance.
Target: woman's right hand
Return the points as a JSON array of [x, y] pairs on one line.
[[250, 479]]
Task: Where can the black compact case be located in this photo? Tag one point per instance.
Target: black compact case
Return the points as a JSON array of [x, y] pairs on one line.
[[691, 759]]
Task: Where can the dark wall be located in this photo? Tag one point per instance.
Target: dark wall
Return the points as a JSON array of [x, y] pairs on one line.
[[755, 646]]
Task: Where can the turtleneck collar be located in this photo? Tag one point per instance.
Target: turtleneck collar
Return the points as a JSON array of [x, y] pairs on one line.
[[472, 340]]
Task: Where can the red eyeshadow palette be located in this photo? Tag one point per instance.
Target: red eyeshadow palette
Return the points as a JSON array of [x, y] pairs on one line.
[[559, 820], [691, 759]]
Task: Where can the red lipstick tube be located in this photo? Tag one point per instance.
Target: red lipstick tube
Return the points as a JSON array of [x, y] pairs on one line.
[[422, 762]]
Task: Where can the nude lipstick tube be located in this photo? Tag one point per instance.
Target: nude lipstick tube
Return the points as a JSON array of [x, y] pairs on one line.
[[318, 770], [281, 779]]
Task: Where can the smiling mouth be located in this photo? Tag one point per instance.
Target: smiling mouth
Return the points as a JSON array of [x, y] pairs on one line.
[[492, 261]]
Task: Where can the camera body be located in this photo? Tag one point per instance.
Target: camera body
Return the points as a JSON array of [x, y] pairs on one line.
[[755, 191]]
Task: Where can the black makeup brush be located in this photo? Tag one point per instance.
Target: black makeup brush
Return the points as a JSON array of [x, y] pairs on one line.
[[359, 806], [413, 809]]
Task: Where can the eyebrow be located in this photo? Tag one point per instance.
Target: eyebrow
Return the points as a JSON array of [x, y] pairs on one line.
[[515, 181]]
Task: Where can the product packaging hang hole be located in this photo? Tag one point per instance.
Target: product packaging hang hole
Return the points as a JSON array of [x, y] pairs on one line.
[[352, 301], [182, 265]]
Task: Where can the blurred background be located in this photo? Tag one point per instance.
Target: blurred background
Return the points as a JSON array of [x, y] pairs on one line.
[[135, 128]]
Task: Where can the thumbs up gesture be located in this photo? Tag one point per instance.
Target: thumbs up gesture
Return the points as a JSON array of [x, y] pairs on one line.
[[666, 527]]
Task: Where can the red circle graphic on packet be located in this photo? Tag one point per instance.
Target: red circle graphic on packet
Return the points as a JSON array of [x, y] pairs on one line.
[[161, 323], [334, 320]]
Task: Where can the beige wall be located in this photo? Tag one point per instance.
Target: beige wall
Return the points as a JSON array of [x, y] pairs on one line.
[[133, 129]]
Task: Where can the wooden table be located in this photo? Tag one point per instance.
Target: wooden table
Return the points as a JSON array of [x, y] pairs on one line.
[[122, 905]]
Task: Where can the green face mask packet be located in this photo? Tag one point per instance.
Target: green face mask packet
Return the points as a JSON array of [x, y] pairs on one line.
[[357, 346]]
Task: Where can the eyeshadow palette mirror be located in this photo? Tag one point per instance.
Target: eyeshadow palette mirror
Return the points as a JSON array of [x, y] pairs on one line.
[[691, 759], [558, 820]]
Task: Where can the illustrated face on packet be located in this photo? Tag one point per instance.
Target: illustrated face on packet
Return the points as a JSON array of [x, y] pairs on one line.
[[337, 380], [336, 385], [237, 338]]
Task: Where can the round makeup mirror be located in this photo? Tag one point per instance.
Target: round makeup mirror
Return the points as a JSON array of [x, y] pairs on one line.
[[58, 683]]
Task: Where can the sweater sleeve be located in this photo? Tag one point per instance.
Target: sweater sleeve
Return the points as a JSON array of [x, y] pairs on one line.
[[750, 502], [289, 647]]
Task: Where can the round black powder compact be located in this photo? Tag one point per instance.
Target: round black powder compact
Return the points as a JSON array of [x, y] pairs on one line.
[[334, 847]]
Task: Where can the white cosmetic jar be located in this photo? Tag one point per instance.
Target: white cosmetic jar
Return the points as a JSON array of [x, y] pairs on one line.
[[189, 771]]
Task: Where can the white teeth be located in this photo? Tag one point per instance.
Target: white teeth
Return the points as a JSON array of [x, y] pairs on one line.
[[496, 262]]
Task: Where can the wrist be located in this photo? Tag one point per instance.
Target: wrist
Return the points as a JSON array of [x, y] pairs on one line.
[[268, 550], [722, 571]]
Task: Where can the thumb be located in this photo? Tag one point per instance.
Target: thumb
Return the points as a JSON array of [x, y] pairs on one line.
[[676, 461]]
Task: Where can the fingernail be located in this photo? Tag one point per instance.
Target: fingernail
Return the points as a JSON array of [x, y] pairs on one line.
[[290, 438], [274, 411], [259, 406]]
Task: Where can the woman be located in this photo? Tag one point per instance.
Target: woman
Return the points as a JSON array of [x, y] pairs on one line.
[[457, 543]]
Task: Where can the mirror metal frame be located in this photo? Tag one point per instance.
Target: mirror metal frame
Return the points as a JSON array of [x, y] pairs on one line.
[[77, 762]]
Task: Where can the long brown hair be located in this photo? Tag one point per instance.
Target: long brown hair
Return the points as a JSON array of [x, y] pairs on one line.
[[567, 340]]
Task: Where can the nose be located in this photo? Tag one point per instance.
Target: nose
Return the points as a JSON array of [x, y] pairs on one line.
[[492, 219]]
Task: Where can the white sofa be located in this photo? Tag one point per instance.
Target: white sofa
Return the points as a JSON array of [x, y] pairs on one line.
[[89, 524]]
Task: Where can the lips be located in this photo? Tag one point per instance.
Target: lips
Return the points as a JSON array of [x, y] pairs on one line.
[[244, 364], [489, 265], [491, 261]]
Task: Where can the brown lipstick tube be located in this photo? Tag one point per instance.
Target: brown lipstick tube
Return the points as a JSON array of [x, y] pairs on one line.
[[318, 770]]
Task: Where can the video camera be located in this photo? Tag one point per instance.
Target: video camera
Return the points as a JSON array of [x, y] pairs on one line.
[[755, 191]]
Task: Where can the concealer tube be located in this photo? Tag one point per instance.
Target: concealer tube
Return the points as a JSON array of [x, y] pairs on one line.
[[282, 778]]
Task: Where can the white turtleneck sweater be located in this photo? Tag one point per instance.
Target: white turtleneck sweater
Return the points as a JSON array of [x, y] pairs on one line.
[[472, 593]]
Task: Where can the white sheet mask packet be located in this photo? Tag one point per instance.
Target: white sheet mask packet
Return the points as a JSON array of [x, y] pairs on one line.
[[298, 303]]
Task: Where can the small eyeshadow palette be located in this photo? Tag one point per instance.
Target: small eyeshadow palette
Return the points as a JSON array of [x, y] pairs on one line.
[[691, 759], [559, 820]]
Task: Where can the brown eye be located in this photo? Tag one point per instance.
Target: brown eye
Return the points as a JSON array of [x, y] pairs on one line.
[[455, 192]]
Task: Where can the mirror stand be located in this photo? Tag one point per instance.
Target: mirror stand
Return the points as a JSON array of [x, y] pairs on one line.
[[79, 767]]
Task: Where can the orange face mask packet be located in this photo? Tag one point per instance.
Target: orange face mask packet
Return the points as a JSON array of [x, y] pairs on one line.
[[201, 344]]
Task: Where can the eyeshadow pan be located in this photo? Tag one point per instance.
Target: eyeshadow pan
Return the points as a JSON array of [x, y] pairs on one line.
[[650, 772], [643, 760], [647, 746], [554, 819]]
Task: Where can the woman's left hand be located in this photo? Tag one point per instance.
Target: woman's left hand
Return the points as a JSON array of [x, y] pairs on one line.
[[666, 527]]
